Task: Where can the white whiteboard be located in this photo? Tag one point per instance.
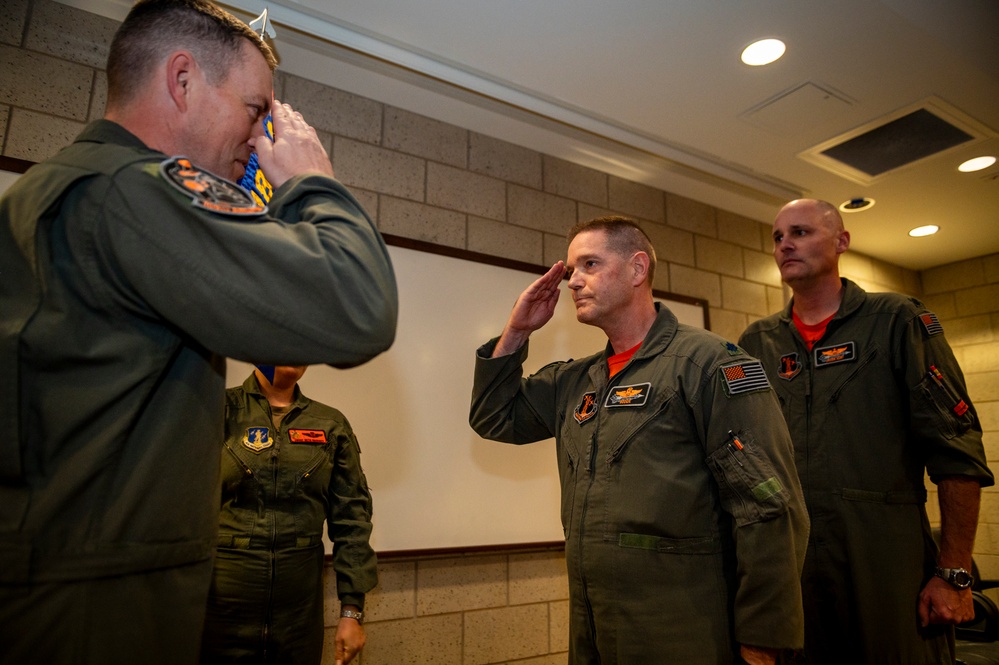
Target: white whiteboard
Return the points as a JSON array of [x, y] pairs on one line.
[[434, 482]]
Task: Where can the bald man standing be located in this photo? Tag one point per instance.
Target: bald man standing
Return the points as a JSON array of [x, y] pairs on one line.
[[874, 399]]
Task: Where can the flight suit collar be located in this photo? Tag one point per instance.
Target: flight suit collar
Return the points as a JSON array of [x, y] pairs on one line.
[[251, 386], [660, 335], [106, 131], [853, 298]]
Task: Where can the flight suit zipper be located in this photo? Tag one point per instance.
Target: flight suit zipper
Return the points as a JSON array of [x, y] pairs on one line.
[[247, 470], [591, 455], [856, 371], [312, 468]]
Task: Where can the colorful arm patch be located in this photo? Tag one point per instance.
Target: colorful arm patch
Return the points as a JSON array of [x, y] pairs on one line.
[[744, 377], [931, 324], [209, 191]]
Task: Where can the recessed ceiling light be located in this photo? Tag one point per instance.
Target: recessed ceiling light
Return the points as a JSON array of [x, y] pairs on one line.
[[977, 164], [921, 231], [763, 52], [856, 204]]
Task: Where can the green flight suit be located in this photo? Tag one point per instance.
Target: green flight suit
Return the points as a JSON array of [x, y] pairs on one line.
[[684, 522], [121, 296], [879, 400], [278, 487]]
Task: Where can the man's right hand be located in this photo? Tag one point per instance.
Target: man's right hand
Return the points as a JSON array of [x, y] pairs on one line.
[[534, 308], [296, 148]]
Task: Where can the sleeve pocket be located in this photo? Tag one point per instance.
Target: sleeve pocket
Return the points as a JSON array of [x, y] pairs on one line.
[[748, 486], [937, 407]]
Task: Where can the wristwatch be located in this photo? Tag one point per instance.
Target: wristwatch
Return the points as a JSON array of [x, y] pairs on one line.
[[353, 614], [958, 577]]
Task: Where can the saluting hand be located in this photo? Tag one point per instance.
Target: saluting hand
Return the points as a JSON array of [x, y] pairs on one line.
[[296, 148], [533, 309]]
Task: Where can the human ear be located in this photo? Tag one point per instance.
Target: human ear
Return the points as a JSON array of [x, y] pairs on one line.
[[640, 262], [843, 242], [180, 69]]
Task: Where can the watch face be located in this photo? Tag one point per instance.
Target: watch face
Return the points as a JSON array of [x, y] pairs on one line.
[[959, 577]]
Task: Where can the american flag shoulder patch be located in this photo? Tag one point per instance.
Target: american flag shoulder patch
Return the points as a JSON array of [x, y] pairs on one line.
[[744, 377], [931, 323]]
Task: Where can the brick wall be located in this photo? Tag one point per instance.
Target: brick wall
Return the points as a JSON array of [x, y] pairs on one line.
[[965, 295], [433, 181], [466, 610]]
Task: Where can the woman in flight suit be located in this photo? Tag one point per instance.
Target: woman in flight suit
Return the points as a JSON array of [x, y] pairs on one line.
[[288, 465]]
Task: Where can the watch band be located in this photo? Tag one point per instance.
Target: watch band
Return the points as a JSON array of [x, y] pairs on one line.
[[957, 577], [353, 614]]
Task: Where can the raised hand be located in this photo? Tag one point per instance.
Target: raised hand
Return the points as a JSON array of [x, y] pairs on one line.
[[533, 309], [296, 148]]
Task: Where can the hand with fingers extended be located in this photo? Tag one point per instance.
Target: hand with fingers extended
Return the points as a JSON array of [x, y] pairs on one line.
[[296, 149], [533, 309]]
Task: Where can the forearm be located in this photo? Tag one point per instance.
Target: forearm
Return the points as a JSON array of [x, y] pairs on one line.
[[510, 341], [758, 655], [959, 498]]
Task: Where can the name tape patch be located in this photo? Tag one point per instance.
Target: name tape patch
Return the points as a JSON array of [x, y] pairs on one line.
[[844, 352], [307, 435], [636, 395]]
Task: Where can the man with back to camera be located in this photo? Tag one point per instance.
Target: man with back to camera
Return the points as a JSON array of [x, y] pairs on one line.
[[131, 269], [684, 522], [873, 396]]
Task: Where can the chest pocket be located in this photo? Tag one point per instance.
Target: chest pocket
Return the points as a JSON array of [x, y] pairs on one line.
[[634, 420], [849, 375]]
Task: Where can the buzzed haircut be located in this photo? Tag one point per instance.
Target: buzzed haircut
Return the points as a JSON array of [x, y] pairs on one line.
[[155, 28], [624, 237]]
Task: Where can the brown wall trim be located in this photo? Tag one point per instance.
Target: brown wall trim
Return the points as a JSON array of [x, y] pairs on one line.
[[14, 164], [468, 255], [513, 548]]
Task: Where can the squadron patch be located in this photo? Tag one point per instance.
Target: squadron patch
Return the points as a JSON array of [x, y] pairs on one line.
[[931, 323], [833, 355], [258, 438], [744, 377], [209, 191], [789, 366], [307, 435], [587, 408], [636, 395]]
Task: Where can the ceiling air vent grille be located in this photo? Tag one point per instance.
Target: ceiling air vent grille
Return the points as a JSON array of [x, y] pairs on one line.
[[903, 141], [900, 140]]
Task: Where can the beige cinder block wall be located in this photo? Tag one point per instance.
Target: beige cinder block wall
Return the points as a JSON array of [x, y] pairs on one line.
[[429, 180]]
